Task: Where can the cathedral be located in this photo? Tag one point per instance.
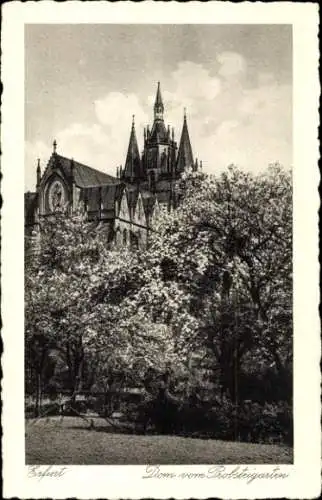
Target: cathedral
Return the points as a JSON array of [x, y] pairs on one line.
[[125, 205]]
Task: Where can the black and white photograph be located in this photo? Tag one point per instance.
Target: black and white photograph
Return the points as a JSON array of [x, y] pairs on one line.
[[158, 278], [159, 255]]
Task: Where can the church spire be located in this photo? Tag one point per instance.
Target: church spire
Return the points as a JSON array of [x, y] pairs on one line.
[[185, 156], [158, 105], [132, 169], [38, 173]]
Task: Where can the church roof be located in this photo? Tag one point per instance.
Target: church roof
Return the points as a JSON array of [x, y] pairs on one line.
[[185, 157], [84, 176], [109, 195], [101, 197], [132, 193], [92, 196]]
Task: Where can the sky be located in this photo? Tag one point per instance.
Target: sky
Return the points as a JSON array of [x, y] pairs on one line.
[[83, 83]]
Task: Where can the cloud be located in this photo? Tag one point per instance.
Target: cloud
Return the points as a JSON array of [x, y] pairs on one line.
[[114, 113], [116, 108], [226, 128], [265, 78], [230, 120], [269, 109], [85, 143], [194, 81], [231, 64], [250, 126], [101, 145], [33, 151], [192, 87], [260, 133]]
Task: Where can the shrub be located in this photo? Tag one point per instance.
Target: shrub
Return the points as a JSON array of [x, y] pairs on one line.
[[253, 422], [250, 422]]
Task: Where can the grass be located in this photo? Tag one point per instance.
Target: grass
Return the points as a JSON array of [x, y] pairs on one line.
[[70, 442]]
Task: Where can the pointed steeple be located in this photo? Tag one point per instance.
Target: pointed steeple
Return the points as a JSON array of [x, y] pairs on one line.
[[132, 169], [185, 156], [38, 173], [158, 105], [72, 169], [158, 132]]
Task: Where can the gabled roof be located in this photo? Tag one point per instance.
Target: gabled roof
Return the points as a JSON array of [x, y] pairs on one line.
[[84, 176], [148, 200], [185, 157], [132, 194]]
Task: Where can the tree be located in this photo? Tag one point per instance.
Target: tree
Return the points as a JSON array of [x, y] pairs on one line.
[[229, 248], [56, 286], [214, 288], [87, 302]]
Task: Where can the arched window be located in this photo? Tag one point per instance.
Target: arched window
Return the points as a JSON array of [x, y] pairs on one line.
[[139, 209], [124, 237], [139, 239], [134, 240], [152, 181], [118, 237], [164, 161]]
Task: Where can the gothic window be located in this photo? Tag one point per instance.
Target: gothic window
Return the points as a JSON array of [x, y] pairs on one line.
[[118, 237], [164, 161], [124, 237], [139, 239], [134, 240], [140, 211], [124, 209], [152, 181], [56, 196]]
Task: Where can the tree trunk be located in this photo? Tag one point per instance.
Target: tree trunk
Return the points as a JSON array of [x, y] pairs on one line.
[[38, 395], [78, 379], [235, 395]]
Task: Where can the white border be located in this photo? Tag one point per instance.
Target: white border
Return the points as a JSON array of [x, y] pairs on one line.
[[126, 482]]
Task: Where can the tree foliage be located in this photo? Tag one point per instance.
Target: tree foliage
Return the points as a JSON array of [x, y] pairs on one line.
[[212, 293]]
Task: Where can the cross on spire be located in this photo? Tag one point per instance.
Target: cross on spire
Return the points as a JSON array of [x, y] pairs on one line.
[[54, 146]]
